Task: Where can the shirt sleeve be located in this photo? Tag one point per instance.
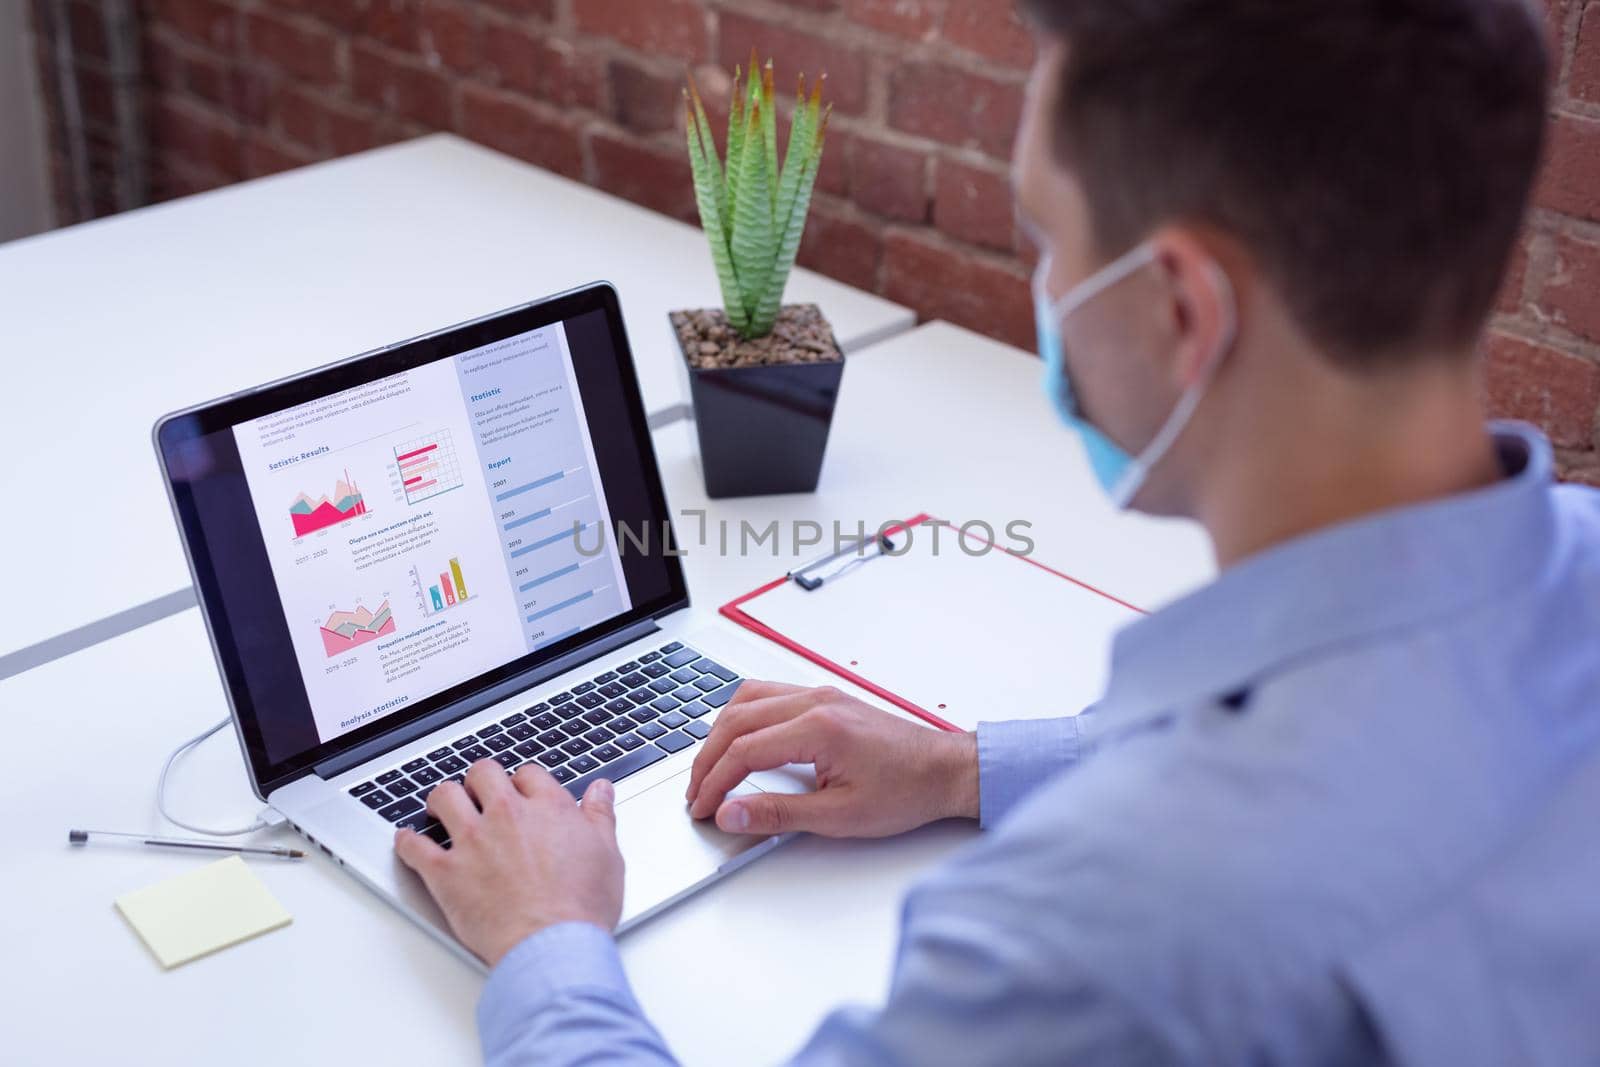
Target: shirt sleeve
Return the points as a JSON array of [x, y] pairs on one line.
[[1016, 757], [560, 997], [970, 987]]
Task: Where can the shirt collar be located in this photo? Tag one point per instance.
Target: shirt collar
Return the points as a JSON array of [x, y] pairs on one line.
[[1386, 571]]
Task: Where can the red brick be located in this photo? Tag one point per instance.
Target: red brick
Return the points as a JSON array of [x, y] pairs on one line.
[[915, 20], [1516, 279], [384, 20], [974, 204], [449, 31], [1571, 294], [954, 106], [264, 156], [1583, 80], [518, 127], [992, 29], [669, 27], [349, 129], [165, 61], [1556, 15], [197, 137], [391, 22], [298, 117], [403, 87], [656, 177], [171, 179], [847, 249], [833, 174], [250, 92], [545, 9], [944, 282], [795, 52], [889, 180], [297, 47], [543, 66], [210, 79], [1572, 162], [209, 22], [1556, 391], [642, 99]]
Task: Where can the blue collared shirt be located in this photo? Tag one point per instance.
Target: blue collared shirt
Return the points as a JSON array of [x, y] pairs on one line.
[[1340, 806]]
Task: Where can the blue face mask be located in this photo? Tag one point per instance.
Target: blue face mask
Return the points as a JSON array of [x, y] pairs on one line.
[[1120, 474]]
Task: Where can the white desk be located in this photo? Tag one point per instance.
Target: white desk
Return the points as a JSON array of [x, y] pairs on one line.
[[105, 326], [739, 974]]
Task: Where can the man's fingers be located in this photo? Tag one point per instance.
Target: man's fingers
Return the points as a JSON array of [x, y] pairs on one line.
[[600, 803], [450, 804], [776, 813], [791, 741], [759, 689], [486, 780], [781, 703], [532, 780], [416, 851]]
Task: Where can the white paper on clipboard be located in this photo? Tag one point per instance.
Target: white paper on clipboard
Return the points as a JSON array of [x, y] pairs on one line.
[[965, 638]]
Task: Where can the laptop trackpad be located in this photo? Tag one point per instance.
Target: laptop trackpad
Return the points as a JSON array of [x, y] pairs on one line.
[[666, 851]]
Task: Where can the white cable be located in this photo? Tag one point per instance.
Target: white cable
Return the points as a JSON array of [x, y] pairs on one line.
[[161, 791]]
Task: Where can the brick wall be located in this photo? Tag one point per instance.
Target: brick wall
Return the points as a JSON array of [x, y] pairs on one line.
[[912, 199]]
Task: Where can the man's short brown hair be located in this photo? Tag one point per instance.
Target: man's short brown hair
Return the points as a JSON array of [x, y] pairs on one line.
[[1374, 156]]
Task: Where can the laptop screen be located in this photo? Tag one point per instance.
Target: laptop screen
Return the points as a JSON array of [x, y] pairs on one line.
[[387, 542]]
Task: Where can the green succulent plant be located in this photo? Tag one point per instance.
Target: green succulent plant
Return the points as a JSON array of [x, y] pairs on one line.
[[753, 214]]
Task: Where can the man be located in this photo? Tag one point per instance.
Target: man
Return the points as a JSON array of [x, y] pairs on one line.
[[1334, 808]]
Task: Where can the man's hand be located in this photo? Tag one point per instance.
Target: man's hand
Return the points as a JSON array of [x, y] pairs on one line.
[[530, 858], [876, 774]]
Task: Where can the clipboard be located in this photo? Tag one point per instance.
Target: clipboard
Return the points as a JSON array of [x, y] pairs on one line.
[[944, 624]]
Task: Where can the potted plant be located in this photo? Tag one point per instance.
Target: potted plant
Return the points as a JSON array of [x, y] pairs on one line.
[[763, 376]]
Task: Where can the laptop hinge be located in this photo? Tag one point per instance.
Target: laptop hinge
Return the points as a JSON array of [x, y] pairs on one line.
[[404, 735]]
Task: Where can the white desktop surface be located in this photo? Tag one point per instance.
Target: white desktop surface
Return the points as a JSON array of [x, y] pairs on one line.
[[108, 325], [739, 974], [731, 976]]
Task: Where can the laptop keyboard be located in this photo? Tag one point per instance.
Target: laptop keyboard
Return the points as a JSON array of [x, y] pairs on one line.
[[619, 722]]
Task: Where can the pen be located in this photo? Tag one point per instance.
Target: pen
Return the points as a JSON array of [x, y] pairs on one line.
[[88, 837]]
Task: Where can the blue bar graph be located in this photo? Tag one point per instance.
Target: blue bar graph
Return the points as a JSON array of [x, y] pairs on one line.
[[514, 523], [546, 480], [552, 539], [553, 608], [552, 576]]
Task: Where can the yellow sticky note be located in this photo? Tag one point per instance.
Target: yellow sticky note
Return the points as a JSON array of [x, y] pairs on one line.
[[196, 913]]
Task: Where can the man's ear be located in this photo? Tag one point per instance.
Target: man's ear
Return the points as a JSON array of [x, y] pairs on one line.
[[1201, 303]]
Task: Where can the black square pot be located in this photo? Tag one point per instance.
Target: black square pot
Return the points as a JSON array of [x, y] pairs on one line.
[[764, 429]]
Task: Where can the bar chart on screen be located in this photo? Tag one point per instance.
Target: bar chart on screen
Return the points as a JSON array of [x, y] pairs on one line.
[[310, 515], [427, 466], [441, 590], [345, 630]]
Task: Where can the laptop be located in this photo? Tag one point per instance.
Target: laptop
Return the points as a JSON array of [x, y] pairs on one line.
[[450, 549]]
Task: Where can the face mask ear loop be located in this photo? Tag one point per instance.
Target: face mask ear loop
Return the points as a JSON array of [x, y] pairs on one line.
[[1128, 485], [1110, 275]]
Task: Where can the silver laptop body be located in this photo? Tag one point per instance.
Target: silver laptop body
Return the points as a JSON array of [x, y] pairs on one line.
[[208, 454]]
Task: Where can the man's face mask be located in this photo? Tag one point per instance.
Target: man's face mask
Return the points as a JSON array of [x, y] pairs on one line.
[[1120, 474]]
